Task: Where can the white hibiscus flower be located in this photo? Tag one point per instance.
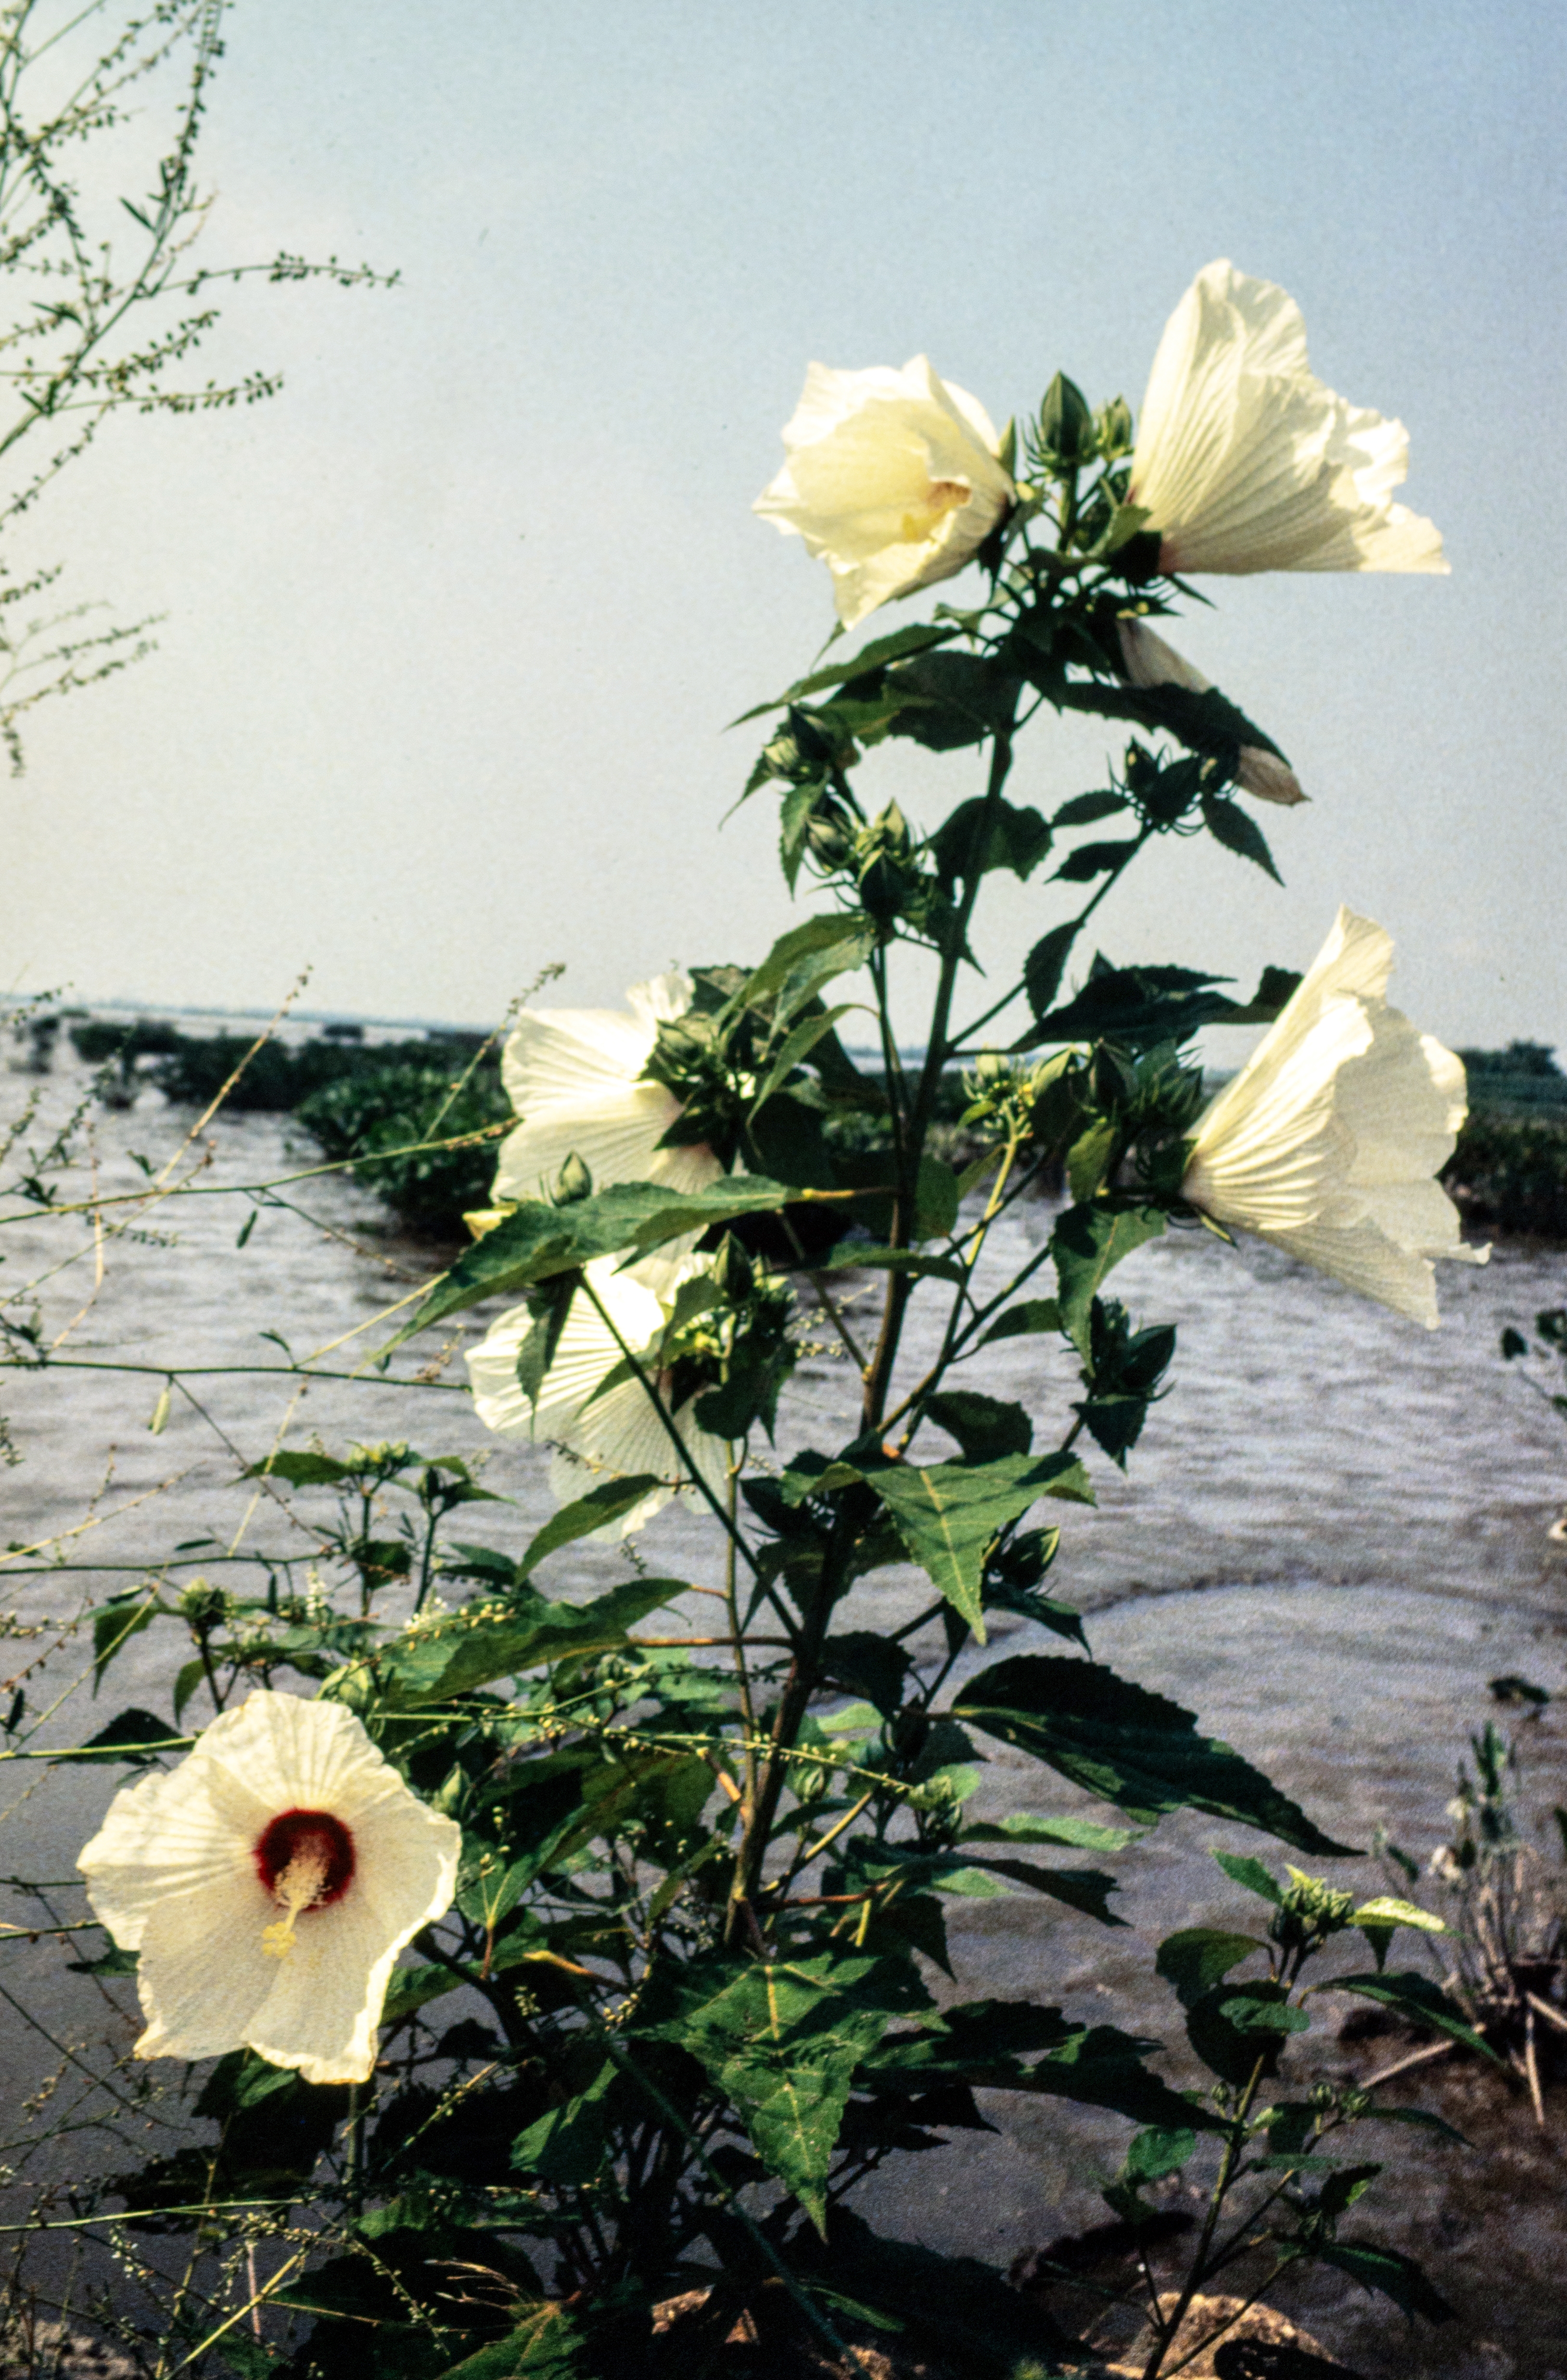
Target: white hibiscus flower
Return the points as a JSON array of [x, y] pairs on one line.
[[1328, 1141], [1245, 461], [268, 1883], [892, 478], [618, 1434], [1150, 661], [574, 1077]]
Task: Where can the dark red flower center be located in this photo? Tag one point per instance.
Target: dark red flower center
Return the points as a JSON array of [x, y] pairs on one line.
[[304, 1840]]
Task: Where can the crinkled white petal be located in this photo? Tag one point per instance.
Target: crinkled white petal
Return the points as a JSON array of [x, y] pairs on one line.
[[1329, 1140], [618, 1433], [1150, 661], [573, 1074], [1246, 461], [892, 478], [172, 1874]]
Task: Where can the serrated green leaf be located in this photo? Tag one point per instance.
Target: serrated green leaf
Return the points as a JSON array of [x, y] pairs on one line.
[[1129, 1746], [597, 1509], [134, 1736], [1391, 2272], [782, 2040], [809, 954], [301, 1469], [1196, 1958], [1237, 830], [1032, 1314], [537, 1240], [1418, 2001], [1045, 965], [568, 2146], [983, 1427], [876, 655], [466, 1649], [1251, 1873], [1087, 1242], [947, 1513]]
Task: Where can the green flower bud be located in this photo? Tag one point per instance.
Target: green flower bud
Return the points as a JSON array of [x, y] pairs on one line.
[[1066, 426], [572, 1183], [1112, 429]]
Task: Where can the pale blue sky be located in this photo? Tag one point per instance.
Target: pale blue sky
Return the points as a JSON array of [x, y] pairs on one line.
[[455, 624]]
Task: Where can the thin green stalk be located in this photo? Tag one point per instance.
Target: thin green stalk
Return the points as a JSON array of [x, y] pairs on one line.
[[1168, 2327]]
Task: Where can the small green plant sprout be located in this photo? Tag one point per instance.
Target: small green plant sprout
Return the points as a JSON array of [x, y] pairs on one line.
[[1275, 2198], [1504, 1951]]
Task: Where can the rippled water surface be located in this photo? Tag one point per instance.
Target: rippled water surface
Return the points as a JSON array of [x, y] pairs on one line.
[[1333, 1533]]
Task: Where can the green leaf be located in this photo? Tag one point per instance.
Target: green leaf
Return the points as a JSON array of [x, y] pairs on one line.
[[1138, 1007], [1252, 1875], [134, 1736], [1089, 1156], [1418, 2001], [114, 1624], [1129, 1746], [1238, 832], [1232, 2032], [601, 1505], [193, 1675], [568, 2146], [1257, 2011], [491, 1887], [1088, 1244], [1025, 1827], [795, 1048], [537, 1240], [935, 1199], [781, 2041], [1388, 2270], [114, 1962], [876, 655], [1046, 964], [982, 1425], [1017, 839], [1152, 2154], [948, 1514], [301, 1470], [561, 2339], [950, 700], [1198, 1956], [986, 2043], [466, 1649], [809, 954], [1018, 1321], [1091, 859], [1388, 1910], [854, 1257]]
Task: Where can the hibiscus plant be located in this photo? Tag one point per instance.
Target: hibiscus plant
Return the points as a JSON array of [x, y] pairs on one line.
[[675, 1858]]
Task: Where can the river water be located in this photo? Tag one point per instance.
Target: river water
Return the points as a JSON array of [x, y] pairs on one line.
[[1334, 1532]]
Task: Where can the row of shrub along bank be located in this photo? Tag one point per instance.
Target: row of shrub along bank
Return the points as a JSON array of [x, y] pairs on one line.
[[191, 1068], [354, 1098], [357, 1101], [1508, 1171]]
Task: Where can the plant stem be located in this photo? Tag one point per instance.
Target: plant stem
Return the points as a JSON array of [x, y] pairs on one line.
[[1169, 2328]]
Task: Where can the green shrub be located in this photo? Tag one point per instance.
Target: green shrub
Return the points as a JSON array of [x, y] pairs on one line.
[[281, 1075], [394, 1106], [1510, 1171]]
